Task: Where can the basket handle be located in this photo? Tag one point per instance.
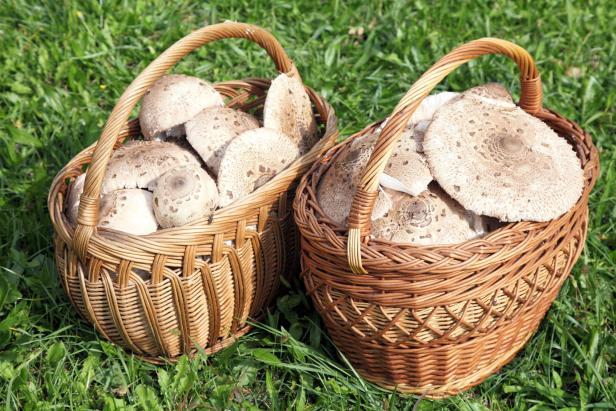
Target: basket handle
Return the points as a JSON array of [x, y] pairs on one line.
[[366, 194], [89, 203]]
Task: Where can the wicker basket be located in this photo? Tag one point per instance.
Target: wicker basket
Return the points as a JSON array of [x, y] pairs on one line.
[[436, 320], [207, 277]]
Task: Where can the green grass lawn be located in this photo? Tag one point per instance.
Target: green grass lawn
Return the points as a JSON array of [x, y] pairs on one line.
[[63, 64]]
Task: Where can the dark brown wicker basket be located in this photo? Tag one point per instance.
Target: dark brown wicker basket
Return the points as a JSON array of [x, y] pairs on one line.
[[206, 278], [436, 320]]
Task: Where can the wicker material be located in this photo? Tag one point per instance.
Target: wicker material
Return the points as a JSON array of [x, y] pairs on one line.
[[207, 277], [438, 319]]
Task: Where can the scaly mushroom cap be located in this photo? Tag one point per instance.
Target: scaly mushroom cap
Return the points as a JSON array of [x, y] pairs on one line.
[[287, 108], [140, 163], [251, 160], [416, 131], [502, 162], [421, 118], [171, 102], [74, 196], [407, 170], [430, 218], [129, 211], [183, 195], [493, 93], [338, 184], [210, 131]]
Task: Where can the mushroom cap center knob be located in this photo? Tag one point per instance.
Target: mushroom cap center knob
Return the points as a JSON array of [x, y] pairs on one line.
[[417, 212], [510, 145]]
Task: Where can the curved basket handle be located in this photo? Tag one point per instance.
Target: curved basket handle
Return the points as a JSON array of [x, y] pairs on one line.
[[365, 196], [88, 207]]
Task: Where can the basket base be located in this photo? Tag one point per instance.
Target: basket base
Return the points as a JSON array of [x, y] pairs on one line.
[[455, 387], [220, 345]]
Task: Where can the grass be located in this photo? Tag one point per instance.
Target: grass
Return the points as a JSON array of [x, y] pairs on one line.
[[65, 63]]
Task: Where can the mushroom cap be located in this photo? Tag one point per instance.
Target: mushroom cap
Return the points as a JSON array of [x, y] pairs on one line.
[[417, 131], [382, 204], [430, 105], [429, 218], [407, 170], [493, 93], [210, 131], [128, 210], [171, 102], [288, 109], [421, 118], [251, 160], [137, 164], [338, 184], [182, 195], [502, 162], [74, 197]]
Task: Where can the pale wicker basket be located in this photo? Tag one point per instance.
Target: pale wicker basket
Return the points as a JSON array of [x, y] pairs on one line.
[[206, 278]]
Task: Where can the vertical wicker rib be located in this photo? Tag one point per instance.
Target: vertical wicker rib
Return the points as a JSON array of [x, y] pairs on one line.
[[206, 278], [436, 320]]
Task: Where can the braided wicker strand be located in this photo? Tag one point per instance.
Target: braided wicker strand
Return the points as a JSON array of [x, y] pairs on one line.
[[203, 280], [436, 320]]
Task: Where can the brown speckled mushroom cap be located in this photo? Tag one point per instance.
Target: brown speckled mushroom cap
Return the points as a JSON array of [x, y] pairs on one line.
[[140, 163], [128, 210], [171, 102], [407, 170], [430, 218], [251, 160], [502, 162], [338, 184], [183, 195], [288, 109], [74, 195], [210, 131], [493, 93]]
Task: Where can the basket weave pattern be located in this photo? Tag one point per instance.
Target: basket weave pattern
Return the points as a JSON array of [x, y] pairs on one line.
[[436, 320], [205, 279]]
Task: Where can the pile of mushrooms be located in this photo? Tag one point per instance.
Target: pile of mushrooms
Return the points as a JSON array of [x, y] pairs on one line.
[[198, 155], [466, 163]]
